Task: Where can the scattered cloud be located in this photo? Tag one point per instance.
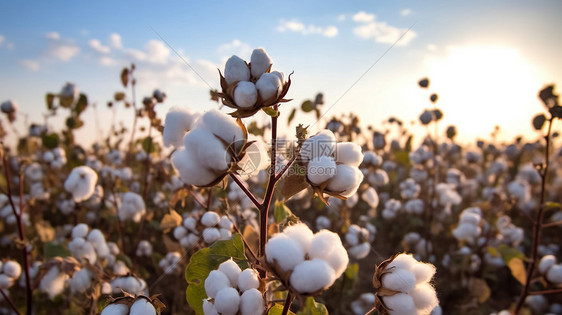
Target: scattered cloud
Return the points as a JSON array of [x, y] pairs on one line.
[[235, 47], [29, 64], [60, 48], [115, 41], [406, 12], [341, 17], [298, 27], [2, 39], [380, 31], [98, 47], [363, 17], [107, 61], [156, 51]]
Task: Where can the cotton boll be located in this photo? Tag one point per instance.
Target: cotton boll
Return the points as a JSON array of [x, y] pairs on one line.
[[223, 126], [80, 281], [371, 197], [546, 262], [466, 231], [180, 232], [236, 69], [321, 144], [225, 234], [312, 275], [301, 233], [323, 244], [352, 201], [142, 306], [210, 218], [323, 222], [248, 279], [245, 94], [209, 308], [209, 151], [348, 153], [211, 235], [268, 86], [401, 280], [179, 120], [231, 270], [423, 272], [346, 181], [285, 251], [81, 183], [82, 250], [190, 223], [400, 304], [251, 303], [97, 239], [132, 207], [425, 298], [5, 281], [52, 282], [215, 282], [554, 274], [403, 261], [321, 169], [190, 170], [12, 269], [279, 75], [115, 309], [360, 251], [259, 62], [227, 301], [352, 238], [225, 223]]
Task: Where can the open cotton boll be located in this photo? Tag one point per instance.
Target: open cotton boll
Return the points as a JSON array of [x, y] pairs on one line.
[[402, 280], [348, 153], [81, 183], [360, 251], [142, 306], [80, 281], [470, 217], [248, 279], [323, 244], [179, 120], [211, 235], [245, 94], [268, 86], [312, 275], [403, 261], [132, 207], [320, 169], [115, 309], [281, 77], [236, 69], [423, 272], [554, 274], [227, 301], [52, 282], [5, 281], [425, 298], [82, 250], [321, 144], [225, 223], [209, 151], [190, 170], [259, 62], [346, 181], [400, 304], [209, 308], [301, 233], [210, 218], [223, 126], [97, 239], [80, 230], [231, 270], [180, 232], [251, 303], [466, 231], [12, 269], [546, 262], [216, 281], [371, 197], [285, 251]]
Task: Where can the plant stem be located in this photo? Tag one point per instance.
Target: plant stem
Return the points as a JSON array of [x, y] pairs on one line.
[[551, 224], [9, 300], [147, 165], [552, 291], [288, 302], [246, 191], [537, 224], [134, 99]]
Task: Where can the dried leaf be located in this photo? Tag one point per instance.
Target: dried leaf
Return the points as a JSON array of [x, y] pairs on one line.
[[518, 270], [170, 220], [480, 289]]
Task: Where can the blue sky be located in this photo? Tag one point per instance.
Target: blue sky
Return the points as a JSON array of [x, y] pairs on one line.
[[485, 59]]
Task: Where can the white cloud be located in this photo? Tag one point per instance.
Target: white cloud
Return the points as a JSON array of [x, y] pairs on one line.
[[115, 40], [157, 51], [406, 12], [107, 61], [2, 39], [29, 64], [235, 47], [135, 54], [363, 17], [53, 35], [298, 27], [381, 32], [98, 47], [341, 17], [59, 48]]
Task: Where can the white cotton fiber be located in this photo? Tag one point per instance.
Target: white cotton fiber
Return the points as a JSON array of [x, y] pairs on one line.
[[259, 62], [209, 308], [223, 126], [400, 304], [248, 279], [279, 75], [209, 151], [546, 262], [132, 207], [210, 218], [97, 239], [236, 69], [425, 298], [80, 230], [352, 238], [215, 282], [211, 235], [286, 251], [179, 120], [12, 269], [371, 197], [268, 86], [469, 217], [348, 153], [465, 231], [245, 94], [423, 272], [312, 275], [227, 301], [554, 274], [225, 223], [323, 244], [81, 183], [180, 232], [301, 233], [401, 280], [5, 281], [53, 282], [251, 303], [321, 169], [190, 223], [82, 250], [346, 181], [321, 144], [360, 251], [142, 306], [190, 170], [80, 281], [231, 270], [115, 309], [403, 261]]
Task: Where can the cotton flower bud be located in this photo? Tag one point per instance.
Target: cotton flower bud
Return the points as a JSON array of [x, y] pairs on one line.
[[81, 183], [259, 62], [179, 120], [321, 169], [251, 303], [245, 94], [236, 69]]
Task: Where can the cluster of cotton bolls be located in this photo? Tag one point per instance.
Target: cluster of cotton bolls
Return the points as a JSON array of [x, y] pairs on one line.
[[410, 280], [455, 177], [509, 233], [131, 207], [448, 196], [550, 269], [363, 304], [7, 213], [53, 281], [129, 284], [332, 166], [114, 157], [409, 189], [89, 245], [371, 168], [209, 226], [55, 158], [34, 172], [314, 261], [469, 225], [413, 241], [141, 305], [10, 271], [414, 206], [421, 156], [81, 183], [122, 173], [144, 249], [359, 240], [171, 263], [391, 209], [231, 291]]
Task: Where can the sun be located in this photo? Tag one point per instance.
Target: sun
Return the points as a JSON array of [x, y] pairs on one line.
[[480, 87]]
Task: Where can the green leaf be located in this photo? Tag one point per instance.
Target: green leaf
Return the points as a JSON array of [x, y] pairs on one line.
[[50, 100], [207, 259], [551, 205], [277, 309], [50, 141], [54, 249], [281, 212], [81, 104], [313, 308], [352, 271], [291, 116], [508, 253], [403, 157], [148, 145], [270, 111], [306, 106]]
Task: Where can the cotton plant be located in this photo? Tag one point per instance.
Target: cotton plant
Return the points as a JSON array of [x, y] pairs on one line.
[[209, 227], [359, 240], [231, 290], [10, 271]]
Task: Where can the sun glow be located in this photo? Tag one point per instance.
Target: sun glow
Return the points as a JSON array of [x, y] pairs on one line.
[[483, 86]]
